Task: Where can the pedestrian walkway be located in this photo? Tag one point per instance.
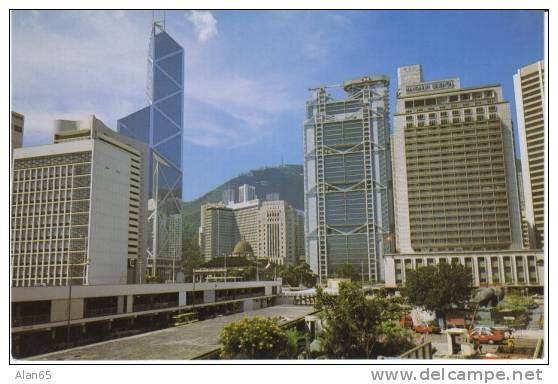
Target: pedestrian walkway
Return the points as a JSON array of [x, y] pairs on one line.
[[178, 343]]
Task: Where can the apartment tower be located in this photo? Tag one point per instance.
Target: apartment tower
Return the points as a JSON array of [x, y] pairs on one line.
[[347, 178]]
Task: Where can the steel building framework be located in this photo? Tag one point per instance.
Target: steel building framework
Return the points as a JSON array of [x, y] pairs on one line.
[[350, 155]]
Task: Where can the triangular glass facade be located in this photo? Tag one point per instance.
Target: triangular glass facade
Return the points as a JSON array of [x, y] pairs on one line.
[[160, 125]]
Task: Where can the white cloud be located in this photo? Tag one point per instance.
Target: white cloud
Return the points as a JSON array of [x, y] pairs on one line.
[[204, 23]]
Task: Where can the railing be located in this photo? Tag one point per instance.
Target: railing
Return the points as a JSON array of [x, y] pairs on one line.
[[422, 351], [30, 320], [100, 312], [538, 354], [149, 306]]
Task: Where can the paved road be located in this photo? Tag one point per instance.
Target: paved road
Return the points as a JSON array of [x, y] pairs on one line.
[[177, 343]]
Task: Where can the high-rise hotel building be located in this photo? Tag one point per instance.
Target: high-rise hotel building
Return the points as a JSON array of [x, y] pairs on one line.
[[160, 126], [77, 208], [455, 185], [530, 109], [347, 178]]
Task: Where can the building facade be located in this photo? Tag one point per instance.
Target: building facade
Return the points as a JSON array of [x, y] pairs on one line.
[[277, 232], [347, 178], [453, 157], [77, 209], [246, 193], [530, 108], [272, 228], [16, 131], [228, 196], [160, 126], [524, 268], [217, 232]]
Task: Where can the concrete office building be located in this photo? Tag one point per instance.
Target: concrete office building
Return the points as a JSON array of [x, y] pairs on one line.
[[277, 232], [530, 109], [160, 126], [246, 193], [228, 196], [455, 185], [347, 178], [271, 228], [217, 231], [77, 208], [16, 131]]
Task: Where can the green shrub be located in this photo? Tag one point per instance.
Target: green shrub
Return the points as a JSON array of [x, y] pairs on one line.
[[255, 338]]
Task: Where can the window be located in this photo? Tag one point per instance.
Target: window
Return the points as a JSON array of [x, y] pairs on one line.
[[453, 98], [480, 110], [431, 115], [420, 117], [465, 96], [419, 103], [430, 102], [477, 95], [488, 94], [443, 114], [409, 118], [408, 104]]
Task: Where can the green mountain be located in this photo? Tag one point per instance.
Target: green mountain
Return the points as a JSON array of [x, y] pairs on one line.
[[287, 180]]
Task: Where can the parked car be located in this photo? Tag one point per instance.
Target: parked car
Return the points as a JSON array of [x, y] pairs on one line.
[[487, 334], [426, 328], [406, 321]]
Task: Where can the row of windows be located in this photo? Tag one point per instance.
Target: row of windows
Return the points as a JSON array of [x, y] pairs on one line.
[[432, 101], [446, 121], [454, 113]]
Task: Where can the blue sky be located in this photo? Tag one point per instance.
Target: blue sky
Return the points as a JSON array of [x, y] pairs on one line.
[[248, 73]]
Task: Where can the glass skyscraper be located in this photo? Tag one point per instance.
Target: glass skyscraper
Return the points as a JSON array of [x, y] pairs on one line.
[[347, 178], [160, 125]]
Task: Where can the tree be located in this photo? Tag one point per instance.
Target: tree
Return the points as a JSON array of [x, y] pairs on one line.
[[295, 275], [348, 271], [438, 287], [354, 324], [255, 338]]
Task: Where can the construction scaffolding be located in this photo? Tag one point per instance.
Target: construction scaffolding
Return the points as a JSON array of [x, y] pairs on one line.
[[347, 172]]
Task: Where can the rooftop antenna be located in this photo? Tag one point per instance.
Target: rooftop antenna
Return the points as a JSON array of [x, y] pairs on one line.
[[160, 24]]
